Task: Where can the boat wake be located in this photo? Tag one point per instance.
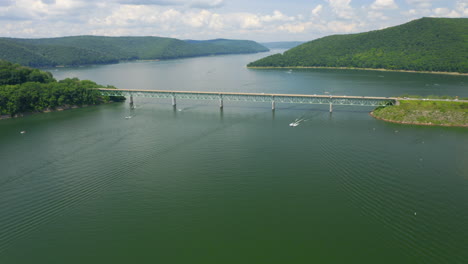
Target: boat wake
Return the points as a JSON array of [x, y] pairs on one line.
[[297, 122]]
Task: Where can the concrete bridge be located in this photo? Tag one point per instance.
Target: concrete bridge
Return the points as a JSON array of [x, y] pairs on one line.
[[254, 97]]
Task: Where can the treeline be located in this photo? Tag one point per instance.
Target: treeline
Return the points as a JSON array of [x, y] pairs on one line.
[[81, 50], [426, 44], [24, 89]]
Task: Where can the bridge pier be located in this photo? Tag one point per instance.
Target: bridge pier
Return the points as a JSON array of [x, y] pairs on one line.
[[254, 97], [131, 101]]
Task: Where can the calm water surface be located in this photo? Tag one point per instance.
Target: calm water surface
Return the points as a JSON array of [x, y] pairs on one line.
[[200, 185]]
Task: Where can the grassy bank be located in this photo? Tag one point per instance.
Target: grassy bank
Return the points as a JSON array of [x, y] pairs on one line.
[[435, 113]]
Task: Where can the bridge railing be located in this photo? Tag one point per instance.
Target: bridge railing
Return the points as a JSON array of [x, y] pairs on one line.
[[254, 97]]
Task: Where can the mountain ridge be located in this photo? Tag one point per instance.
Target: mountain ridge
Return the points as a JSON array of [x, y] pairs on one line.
[[82, 50], [426, 44]]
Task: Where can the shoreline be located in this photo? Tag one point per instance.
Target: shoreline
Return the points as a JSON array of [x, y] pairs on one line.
[[49, 67], [48, 110], [362, 69], [413, 123]]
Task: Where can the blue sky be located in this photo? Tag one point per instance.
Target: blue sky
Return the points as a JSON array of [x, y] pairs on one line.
[[259, 20]]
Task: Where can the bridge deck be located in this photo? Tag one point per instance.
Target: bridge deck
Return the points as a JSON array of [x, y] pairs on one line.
[[136, 91], [255, 97]]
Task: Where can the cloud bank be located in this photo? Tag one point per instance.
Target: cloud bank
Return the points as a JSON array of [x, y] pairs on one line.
[[205, 19]]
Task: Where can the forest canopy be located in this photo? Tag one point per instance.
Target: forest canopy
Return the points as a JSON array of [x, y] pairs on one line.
[[23, 89], [81, 50], [426, 44]]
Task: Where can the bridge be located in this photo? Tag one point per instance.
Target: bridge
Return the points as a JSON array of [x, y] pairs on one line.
[[254, 97]]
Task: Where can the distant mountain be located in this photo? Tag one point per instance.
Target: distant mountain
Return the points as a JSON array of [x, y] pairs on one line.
[[226, 46], [426, 44], [282, 44], [80, 50]]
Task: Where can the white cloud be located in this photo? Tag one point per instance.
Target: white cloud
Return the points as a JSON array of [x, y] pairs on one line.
[[342, 8], [384, 4], [203, 19], [277, 16], [341, 27], [295, 28], [445, 12], [462, 7], [317, 10], [375, 15], [150, 2], [197, 19], [249, 21], [203, 4]]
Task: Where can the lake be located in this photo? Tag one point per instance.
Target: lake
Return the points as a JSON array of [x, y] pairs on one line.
[[196, 184]]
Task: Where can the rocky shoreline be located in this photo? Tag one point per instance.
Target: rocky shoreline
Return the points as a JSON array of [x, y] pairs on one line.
[[47, 110]]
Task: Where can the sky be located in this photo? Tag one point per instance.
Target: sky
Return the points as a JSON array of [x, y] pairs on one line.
[[259, 20]]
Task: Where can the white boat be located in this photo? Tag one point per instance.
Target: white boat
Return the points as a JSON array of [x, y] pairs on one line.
[[294, 124], [22, 132]]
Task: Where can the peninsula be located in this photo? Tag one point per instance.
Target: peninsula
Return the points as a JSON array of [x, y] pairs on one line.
[[432, 111], [423, 45], [26, 90]]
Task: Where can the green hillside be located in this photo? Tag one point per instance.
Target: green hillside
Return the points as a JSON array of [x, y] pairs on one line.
[[81, 50], [426, 44], [23, 89]]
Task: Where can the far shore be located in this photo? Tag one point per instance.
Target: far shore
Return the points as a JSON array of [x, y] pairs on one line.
[[363, 69]]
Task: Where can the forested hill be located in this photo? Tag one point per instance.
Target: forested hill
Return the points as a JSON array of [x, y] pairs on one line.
[[426, 44], [23, 89], [80, 50]]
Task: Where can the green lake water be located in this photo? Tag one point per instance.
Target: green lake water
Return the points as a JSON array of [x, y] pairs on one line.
[[199, 185]]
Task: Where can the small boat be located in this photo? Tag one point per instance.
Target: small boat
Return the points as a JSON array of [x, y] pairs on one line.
[[294, 124], [128, 117], [23, 132]]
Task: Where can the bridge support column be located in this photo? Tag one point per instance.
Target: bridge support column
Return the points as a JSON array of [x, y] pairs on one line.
[[173, 101], [131, 101], [221, 102], [273, 105], [331, 107]]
